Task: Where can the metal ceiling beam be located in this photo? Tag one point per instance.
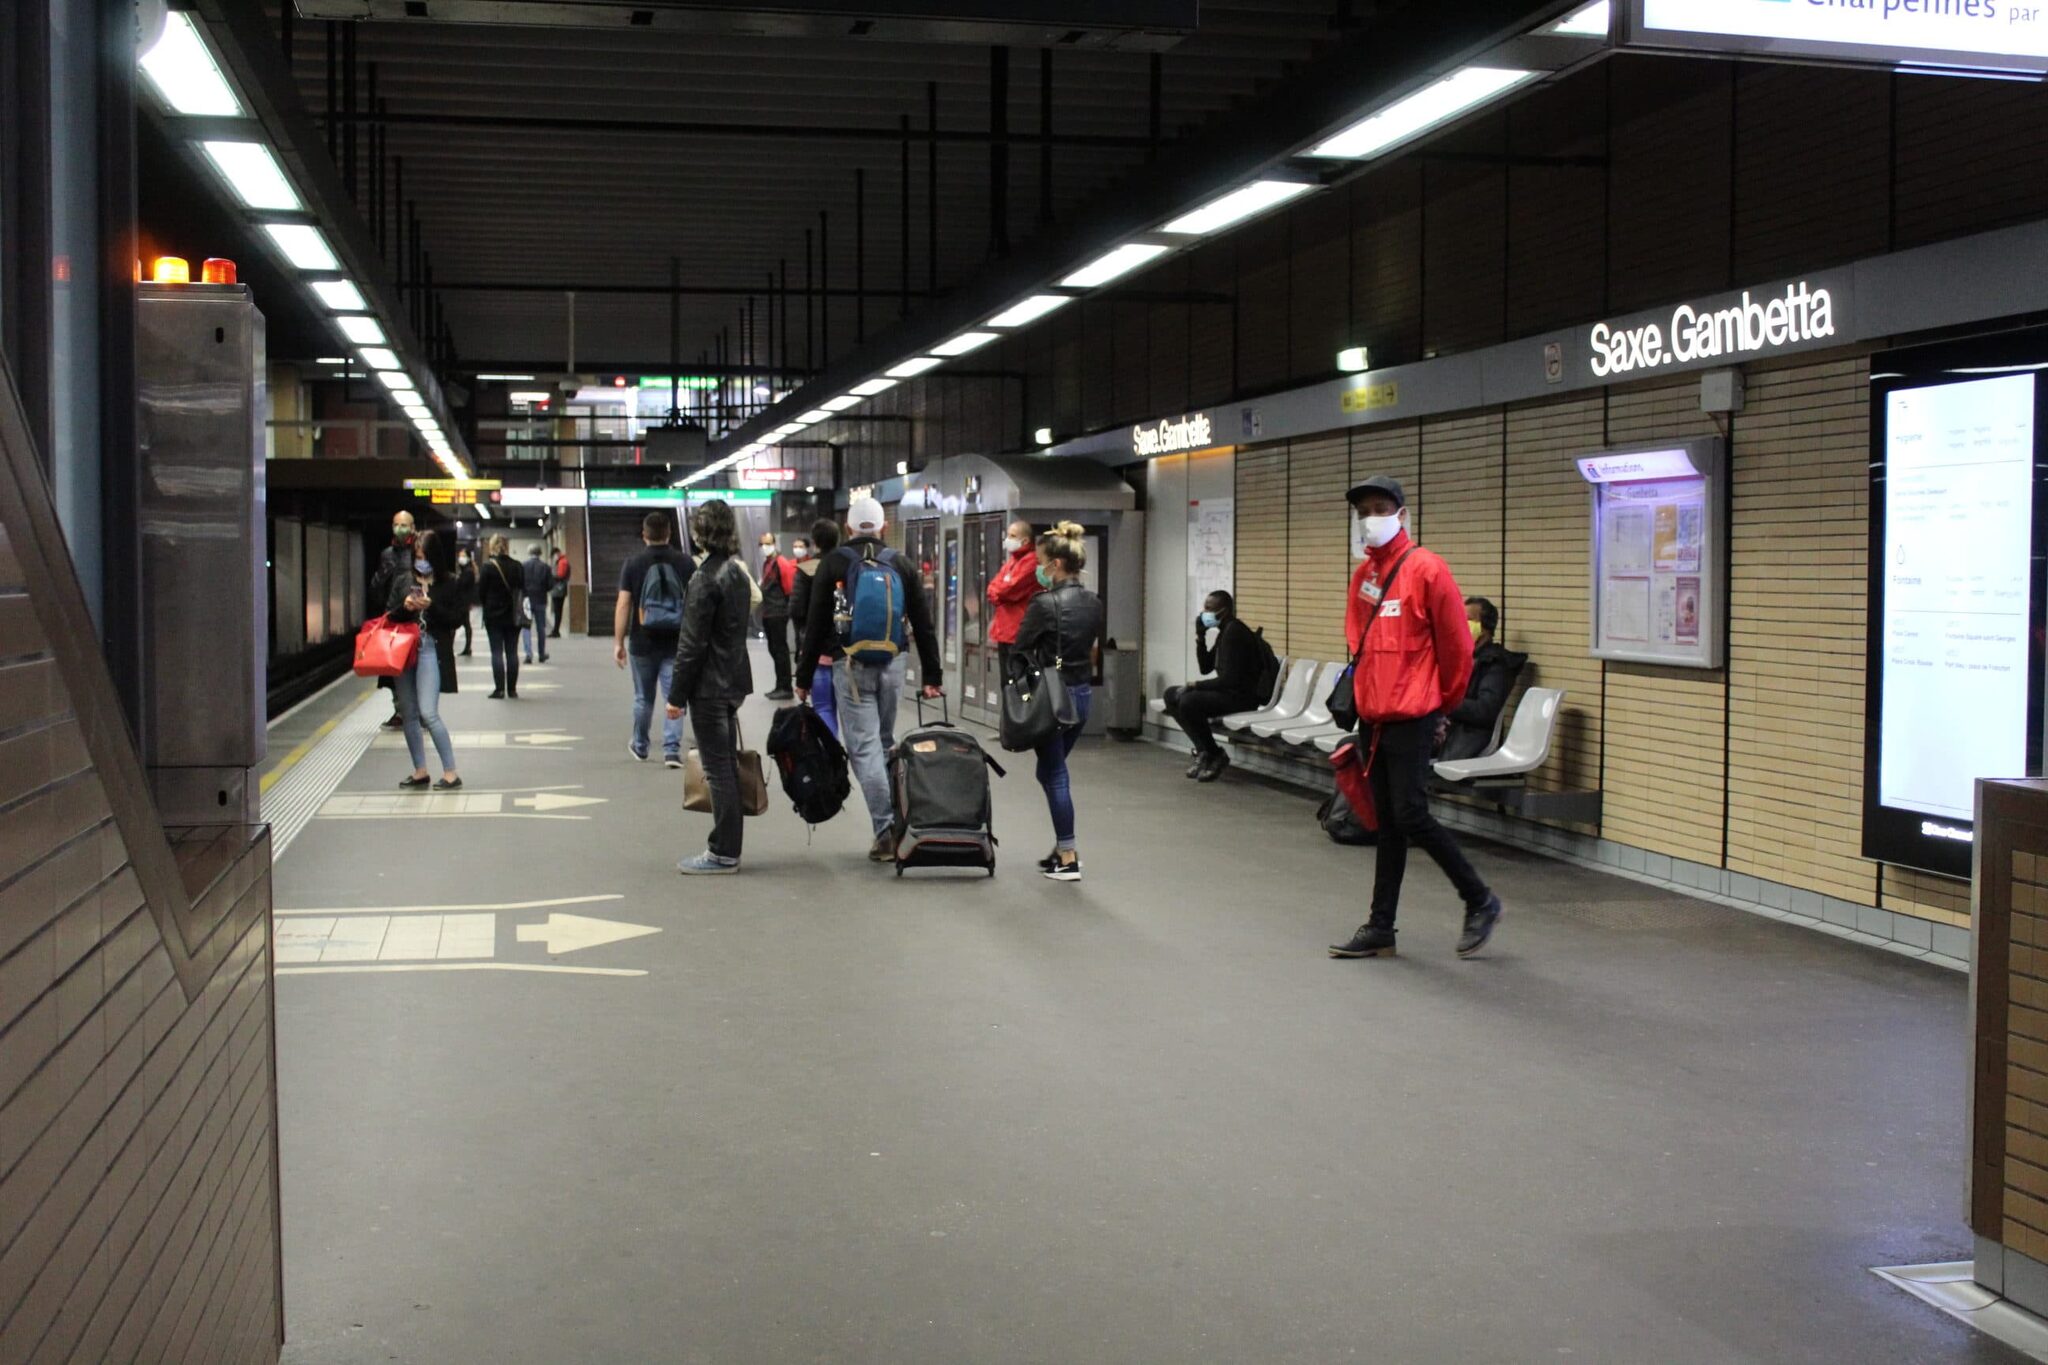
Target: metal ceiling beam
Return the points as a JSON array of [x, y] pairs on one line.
[[806, 132]]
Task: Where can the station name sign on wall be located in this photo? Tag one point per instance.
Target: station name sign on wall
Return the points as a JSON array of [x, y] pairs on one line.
[[1800, 314], [1991, 35], [1172, 435]]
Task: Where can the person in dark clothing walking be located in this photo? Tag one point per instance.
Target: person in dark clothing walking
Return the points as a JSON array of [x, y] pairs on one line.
[[538, 579], [713, 675], [646, 626], [393, 563], [431, 593], [1494, 670], [1062, 628], [824, 535], [1236, 658], [501, 589], [778, 584]]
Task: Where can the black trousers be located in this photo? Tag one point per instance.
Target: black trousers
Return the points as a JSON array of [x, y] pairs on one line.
[[1195, 710], [504, 638], [716, 727], [1400, 770], [776, 628]]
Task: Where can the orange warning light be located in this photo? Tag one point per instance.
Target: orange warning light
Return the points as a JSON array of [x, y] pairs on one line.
[[171, 270], [217, 270]]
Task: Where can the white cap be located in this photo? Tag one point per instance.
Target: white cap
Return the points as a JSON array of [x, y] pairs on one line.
[[865, 515]]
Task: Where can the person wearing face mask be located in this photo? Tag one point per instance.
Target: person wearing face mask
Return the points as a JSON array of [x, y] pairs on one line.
[[1407, 627], [1011, 590], [430, 592], [394, 561], [825, 532], [778, 581], [1235, 658], [1469, 725]]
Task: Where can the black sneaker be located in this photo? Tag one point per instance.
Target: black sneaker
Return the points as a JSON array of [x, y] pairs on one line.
[[1479, 926], [395, 723], [498, 695], [415, 784], [780, 694], [1064, 872], [1371, 940], [1200, 761], [1213, 766], [1049, 861], [448, 784]]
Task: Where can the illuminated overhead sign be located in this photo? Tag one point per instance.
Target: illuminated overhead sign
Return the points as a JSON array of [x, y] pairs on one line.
[[1747, 326], [542, 497], [1638, 465], [1172, 435], [636, 497], [689, 381], [447, 485], [1993, 35], [769, 475]]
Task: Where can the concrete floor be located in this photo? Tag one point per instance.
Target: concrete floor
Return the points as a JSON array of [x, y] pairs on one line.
[[846, 1118]]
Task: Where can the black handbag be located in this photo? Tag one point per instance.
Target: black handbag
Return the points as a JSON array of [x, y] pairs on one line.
[[1036, 703], [1343, 703]]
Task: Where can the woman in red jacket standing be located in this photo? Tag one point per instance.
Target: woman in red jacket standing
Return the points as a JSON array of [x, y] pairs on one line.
[[1408, 634], [1012, 589]]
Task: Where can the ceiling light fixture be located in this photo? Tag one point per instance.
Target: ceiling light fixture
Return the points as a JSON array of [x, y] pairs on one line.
[[1233, 208], [915, 366], [1030, 310], [1112, 265], [253, 174], [1594, 21], [841, 403], [1430, 107], [962, 344], [340, 295], [380, 357], [508, 378], [873, 387], [398, 381], [303, 246], [363, 331], [184, 73], [813, 416]]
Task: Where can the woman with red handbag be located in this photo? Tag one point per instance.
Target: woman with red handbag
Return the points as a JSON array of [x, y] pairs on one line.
[[434, 596]]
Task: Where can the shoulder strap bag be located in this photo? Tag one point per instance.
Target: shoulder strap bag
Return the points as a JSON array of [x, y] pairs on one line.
[[753, 780], [1036, 704], [520, 620], [1343, 701]]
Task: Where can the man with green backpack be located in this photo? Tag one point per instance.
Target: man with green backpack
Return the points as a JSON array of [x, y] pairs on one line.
[[645, 626]]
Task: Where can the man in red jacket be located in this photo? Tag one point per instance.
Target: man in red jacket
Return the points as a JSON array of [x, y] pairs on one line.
[[1012, 589], [1414, 667]]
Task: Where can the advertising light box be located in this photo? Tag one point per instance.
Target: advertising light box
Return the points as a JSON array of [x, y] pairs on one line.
[[1956, 607], [1978, 35], [1659, 580]]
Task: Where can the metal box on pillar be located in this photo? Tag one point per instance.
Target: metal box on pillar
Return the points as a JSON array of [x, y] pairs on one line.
[[200, 361]]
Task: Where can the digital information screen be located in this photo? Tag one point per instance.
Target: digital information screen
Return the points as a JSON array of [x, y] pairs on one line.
[[1988, 35], [1956, 675]]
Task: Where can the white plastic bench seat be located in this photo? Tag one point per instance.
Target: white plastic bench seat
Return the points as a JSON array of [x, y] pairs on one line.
[[1526, 748], [1328, 743], [1314, 716], [1157, 706], [1308, 736], [1294, 693]]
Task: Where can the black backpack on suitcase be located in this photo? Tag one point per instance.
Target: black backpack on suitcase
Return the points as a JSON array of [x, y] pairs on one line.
[[811, 762], [938, 776]]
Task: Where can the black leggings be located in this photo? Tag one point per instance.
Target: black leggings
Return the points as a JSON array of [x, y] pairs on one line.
[[1195, 709], [1400, 770]]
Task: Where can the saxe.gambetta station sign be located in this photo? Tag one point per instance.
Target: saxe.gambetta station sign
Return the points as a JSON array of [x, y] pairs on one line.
[[1172, 435], [1728, 329], [1988, 35]]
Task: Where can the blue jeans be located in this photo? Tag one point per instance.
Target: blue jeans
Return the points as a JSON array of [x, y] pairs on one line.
[[822, 699], [1052, 767], [535, 636], [864, 696], [418, 693], [651, 674]]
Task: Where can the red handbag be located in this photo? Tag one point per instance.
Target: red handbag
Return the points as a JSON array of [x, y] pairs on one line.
[[1352, 771], [386, 648]]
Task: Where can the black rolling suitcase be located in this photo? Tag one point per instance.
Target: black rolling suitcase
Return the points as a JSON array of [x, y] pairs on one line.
[[939, 778]]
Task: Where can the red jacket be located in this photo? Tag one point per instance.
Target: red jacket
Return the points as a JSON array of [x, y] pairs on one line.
[[783, 569], [1418, 656], [1010, 592]]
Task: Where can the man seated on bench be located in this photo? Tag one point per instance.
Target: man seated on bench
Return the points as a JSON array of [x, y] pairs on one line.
[[1472, 723], [1245, 670]]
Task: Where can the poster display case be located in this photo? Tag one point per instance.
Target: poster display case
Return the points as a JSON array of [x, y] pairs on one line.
[[1658, 557]]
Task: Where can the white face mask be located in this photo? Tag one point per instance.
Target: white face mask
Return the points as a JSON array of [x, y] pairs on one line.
[[1380, 530], [799, 553], [1011, 545]]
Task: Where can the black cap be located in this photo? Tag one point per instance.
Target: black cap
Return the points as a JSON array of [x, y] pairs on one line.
[[1378, 483]]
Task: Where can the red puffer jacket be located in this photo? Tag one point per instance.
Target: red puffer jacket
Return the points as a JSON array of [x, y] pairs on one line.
[[1010, 592], [1418, 655]]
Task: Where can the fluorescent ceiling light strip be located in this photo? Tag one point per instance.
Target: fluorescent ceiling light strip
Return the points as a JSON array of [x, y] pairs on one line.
[[363, 331], [380, 357], [303, 246], [1113, 265], [509, 378], [773, 438], [253, 174], [1238, 205], [340, 295], [1030, 310], [873, 387], [1430, 107], [398, 381], [334, 360], [814, 415], [841, 403], [915, 366], [529, 396], [962, 344], [186, 77], [1594, 21]]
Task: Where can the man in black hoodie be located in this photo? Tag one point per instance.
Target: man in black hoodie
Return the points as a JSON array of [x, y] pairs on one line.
[[1237, 660], [1469, 726]]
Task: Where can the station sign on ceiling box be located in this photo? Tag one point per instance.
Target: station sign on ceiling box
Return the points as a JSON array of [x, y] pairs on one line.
[[1774, 319], [1978, 35]]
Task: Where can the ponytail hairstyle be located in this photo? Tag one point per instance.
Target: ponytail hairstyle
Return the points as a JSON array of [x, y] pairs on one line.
[[1065, 545]]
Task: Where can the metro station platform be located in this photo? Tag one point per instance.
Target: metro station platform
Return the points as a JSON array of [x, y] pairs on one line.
[[542, 1100]]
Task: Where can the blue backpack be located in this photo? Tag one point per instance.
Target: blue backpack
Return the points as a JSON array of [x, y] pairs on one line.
[[872, 627], [661, 600]]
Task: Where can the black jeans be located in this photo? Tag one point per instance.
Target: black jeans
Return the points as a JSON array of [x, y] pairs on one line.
[[504, 638], [776, 628], [716, 727], [561, 600], [1400, 770], [1195, 709]]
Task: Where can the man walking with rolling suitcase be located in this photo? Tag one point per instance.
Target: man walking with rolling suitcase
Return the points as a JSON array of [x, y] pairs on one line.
[[862, 599]]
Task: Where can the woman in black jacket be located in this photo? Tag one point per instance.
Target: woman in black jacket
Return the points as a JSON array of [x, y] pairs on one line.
[[713, 675], [433, 595], [498, 586], [1237, 658], [1062, 630]]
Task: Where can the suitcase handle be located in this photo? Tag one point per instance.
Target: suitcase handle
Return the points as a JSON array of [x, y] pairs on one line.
[[945, 708]]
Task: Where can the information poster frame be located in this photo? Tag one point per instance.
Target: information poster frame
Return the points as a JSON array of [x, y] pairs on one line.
[[1911, 836], [1662, 597]]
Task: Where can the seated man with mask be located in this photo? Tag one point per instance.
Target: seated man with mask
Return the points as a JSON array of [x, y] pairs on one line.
[[1494, 670], [1244, 670]]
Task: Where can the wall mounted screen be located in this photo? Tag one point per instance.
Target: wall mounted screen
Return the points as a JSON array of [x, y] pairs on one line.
[[1954, 692], [1977, 35]]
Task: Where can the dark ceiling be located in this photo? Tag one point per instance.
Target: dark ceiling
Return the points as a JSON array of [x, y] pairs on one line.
[[532, 158]]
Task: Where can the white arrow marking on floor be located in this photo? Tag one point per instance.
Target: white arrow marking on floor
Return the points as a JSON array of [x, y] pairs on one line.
[[569, 933], [382, 967], [538, 801], [452, 909], [550, 801]]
